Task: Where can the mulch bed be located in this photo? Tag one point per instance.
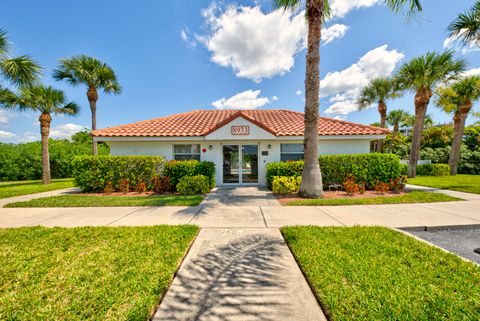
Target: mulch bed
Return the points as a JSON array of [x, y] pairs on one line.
[[284, 199], [127, 194]]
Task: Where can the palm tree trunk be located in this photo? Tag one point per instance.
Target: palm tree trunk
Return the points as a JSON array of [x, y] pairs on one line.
[[92, 95], [458, 130], [311, 185], [422, 99], [45, 120], [382, 110]]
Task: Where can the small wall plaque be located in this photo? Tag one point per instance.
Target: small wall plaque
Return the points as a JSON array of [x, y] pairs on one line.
[[240, 130], [264, 152]]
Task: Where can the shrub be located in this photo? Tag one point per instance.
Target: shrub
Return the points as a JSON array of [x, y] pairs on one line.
[[286, 184], [24, 161], [161, 184], [289, 168], [191, 185], [381, 187], [124, 186], [141, 187], [350, 186], [92, 173], [398, 184], [433, 169], [108, 188], [440, 170], [361, 188], [403, 169], [178, 169], [366, 168]]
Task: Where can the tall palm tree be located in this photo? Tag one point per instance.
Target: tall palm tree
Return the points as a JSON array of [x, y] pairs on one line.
[[48, 101], [396, 118], [466, 26], [458, 99], [317, 11], [421, 75], [92, 73], [18, 71], [379, 91]]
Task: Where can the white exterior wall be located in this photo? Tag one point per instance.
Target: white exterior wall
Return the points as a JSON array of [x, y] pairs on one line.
[[223, 136]]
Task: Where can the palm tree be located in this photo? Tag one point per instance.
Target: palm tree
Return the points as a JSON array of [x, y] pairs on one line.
[[458, 99], [410, 121], [396, 118], [467, 25], [19, 71], [317, 11], [379, 91], [48, 101], [92, 73], [421, 75]]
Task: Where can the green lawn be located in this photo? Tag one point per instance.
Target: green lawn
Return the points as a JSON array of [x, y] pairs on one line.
[[412, 197], [88, 273], [10, 189], [462, 183], [109, 201], [373, 273]]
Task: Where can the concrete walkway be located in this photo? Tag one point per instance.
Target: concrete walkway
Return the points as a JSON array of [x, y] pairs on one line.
[[422, 216], [462, 195], [240, 196], [23, 198], [239, 274]]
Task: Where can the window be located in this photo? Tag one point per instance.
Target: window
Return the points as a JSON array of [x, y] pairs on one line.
[[186, 152], [291, 152]]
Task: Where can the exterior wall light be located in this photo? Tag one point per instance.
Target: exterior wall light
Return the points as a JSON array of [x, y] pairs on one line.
[[210, 147], [269, 146]]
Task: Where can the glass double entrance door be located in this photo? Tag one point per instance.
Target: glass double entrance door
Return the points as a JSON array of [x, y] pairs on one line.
[[240, 164]]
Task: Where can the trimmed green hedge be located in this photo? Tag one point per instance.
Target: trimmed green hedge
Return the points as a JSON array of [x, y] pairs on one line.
[[178, 169], [192, 185], [92, 173], [286, 184], [433, 169], [367, 168], [289, 168]]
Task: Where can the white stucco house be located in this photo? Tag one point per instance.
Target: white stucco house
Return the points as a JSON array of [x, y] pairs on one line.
[[239, 142]]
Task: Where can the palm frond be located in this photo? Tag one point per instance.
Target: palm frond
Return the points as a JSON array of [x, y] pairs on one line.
[[91, 72], [409, 7], [466, 26], [21, 71], [70, 109], [4, 46]]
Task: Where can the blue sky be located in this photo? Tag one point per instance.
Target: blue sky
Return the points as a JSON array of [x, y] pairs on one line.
[[176, 56]]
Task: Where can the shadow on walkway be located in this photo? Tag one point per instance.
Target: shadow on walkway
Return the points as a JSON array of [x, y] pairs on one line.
[[242, 280]]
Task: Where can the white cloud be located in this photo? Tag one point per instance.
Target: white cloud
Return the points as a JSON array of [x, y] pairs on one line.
[[27, 137], [472, 72], [343, 87], [256, 45], [66, 131], [333, 32], [185, 35], [340, 8], [299, 92], [457, 45], [5, 134], [5, 117], [340, 117], [248, 99]]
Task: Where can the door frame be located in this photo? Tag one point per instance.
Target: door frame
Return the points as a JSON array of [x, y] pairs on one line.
[[240, 163]]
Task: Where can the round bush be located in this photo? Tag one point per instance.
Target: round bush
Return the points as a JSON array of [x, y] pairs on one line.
[[192, 185]]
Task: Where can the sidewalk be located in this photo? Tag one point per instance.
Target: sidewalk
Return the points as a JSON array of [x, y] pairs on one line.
[[239, 274], [23, 198]]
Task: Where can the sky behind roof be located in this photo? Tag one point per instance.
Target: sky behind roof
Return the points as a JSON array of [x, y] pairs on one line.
[[176, 56]]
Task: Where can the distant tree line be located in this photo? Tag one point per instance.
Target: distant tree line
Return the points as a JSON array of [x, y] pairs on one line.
[[24, 161]]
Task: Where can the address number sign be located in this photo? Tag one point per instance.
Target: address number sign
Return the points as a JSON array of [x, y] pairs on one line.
[[240, 130]]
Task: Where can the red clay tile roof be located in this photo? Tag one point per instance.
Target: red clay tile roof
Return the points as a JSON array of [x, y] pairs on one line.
[[203, 122]]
